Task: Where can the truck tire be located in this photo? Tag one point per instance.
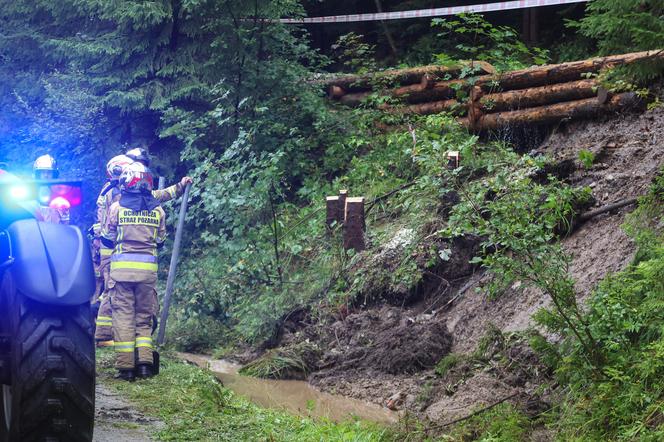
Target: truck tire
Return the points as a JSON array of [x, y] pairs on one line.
[[52, 370]]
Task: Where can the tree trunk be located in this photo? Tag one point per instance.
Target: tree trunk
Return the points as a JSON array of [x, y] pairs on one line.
[[538, 96], [386, 30], [560, 73], [419, 85], [553, 113], [435, 107], [424, 92], [407, 76]]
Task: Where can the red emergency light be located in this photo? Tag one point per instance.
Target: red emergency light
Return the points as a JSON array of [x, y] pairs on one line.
[[64, 196]]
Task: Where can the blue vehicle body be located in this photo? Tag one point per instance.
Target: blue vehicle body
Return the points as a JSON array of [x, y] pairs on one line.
[[50, 263]]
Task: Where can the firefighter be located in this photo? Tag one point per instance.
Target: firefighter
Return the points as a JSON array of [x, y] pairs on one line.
[[135, 228], [46, 168], [111, 193]]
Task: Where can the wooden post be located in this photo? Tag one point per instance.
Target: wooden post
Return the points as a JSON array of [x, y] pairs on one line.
[[354, 226], [332, 211], [525, 25], [453, 159], [530, 26]]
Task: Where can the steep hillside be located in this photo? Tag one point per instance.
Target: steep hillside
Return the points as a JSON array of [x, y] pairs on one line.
[[443, 349]]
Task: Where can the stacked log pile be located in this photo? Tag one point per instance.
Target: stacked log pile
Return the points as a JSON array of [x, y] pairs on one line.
[[537, 95]]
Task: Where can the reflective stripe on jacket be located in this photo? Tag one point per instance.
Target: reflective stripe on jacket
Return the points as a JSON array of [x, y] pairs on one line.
[[136, 235], [135, 261]]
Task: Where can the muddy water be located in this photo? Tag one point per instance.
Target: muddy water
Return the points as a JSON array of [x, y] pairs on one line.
[[297, 397]]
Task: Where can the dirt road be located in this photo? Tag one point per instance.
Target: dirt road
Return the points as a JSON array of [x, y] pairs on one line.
[[116, 420]]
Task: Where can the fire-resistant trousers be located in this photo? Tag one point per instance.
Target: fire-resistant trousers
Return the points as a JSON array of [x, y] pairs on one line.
[[134, 304], [104, 322]]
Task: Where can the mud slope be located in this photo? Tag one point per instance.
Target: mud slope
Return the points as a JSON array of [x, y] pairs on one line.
[[629, 150], [384, 354]]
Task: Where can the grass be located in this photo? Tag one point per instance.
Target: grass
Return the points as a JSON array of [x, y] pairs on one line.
[[447, 363], [282, 363], [503, 423], [194, 406]]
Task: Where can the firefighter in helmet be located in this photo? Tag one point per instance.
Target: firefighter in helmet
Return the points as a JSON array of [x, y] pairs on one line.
[[135, 227], [111, 193], [57, 211]]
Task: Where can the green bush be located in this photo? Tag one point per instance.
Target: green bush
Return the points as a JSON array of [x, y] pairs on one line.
[[503, 423], [587, 158], [625, 402], [447, 363], [620, 26]]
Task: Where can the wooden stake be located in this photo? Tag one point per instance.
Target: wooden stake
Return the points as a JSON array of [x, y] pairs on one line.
[[453, 159], [354, 226], [332, 211]]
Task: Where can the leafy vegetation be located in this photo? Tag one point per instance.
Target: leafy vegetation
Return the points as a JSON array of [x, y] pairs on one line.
[[625, 313], [623, 25], [587, 158], [471, 37], [292, 362], [503, 423], [610, 356], [448, 362], [619, 26]]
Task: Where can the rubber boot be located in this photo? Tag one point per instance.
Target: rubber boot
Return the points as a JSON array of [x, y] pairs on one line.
[[155, 362], [127, 374], [144, 371]]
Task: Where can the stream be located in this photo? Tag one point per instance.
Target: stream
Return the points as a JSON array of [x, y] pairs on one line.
[[296, 397]]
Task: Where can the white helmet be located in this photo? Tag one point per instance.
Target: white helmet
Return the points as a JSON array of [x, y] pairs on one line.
[[45, 163], [136, 178], [116, 165], [139, 154]]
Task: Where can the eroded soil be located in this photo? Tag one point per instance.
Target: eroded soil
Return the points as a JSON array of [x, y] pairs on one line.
[[384, 352]]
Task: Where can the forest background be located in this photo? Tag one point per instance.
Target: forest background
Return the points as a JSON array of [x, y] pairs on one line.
[[214, 90]]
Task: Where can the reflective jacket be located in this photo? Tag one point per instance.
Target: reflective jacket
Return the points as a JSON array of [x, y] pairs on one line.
[[104, 202], [136, 235]]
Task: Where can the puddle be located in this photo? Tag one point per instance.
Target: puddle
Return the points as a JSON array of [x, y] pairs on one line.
[[296, 397]]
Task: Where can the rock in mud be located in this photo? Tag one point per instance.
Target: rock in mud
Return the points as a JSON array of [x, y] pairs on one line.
[[395, 401]]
